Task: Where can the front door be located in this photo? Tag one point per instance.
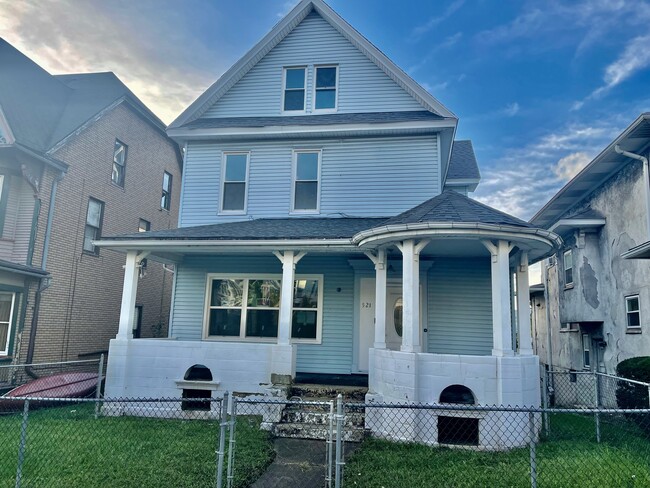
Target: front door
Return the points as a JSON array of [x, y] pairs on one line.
[[394, 306]]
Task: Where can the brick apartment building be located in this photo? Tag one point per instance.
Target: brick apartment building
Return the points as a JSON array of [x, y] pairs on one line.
[[80, 157]]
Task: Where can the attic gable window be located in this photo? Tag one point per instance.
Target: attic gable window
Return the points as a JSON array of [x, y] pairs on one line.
[[325, 87], [306, 181], [294, 89], [119, 163]]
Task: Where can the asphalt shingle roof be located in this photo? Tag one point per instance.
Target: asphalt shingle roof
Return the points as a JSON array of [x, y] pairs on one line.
[[266, 229], [462, 164], [451, 206], [325, 119]]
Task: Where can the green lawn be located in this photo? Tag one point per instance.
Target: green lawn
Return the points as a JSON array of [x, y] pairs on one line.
[[569, 457], [67, 447]]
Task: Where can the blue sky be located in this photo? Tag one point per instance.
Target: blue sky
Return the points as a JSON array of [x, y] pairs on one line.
[[540, 87]]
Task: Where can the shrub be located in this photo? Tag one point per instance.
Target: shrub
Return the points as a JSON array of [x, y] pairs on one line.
[[630, 395]]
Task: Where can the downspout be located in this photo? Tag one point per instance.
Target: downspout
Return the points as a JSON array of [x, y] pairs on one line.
[[44, 283], [549, 329], [646, 180]]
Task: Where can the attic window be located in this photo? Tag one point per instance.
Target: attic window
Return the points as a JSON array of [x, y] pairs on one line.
[[294, 90], [119, 163], [325, 87]]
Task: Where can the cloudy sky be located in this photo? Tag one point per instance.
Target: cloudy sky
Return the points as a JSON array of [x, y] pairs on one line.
[[540, 87]]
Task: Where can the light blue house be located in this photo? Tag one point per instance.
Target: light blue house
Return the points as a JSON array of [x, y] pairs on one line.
[[325, 230]]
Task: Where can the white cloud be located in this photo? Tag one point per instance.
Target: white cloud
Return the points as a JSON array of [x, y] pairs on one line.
[[422, 29], [152, 48], [511, 110], [570, 165]]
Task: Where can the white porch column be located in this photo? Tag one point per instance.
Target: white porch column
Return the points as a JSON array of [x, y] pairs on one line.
[[411, 294], [523, 307], [501, 313], [379, 260], [129, 293], [289, 260]]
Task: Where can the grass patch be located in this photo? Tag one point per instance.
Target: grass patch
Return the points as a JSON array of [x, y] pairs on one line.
[[67, 447], [569, 457]]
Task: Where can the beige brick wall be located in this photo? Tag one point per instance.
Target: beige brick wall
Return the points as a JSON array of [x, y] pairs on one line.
[[80, 311]]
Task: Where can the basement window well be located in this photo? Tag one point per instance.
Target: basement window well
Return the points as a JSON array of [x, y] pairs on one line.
[[197, 385], [458, 429]]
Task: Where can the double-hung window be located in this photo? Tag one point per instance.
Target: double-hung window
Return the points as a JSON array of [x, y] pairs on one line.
[[586, 351], [306, 181], [633, 312], [166, 199], [93, 229], [7, 301], [568, 268], [248, 308], [119, 163], [234, 186], [325, 87], [294, 89]]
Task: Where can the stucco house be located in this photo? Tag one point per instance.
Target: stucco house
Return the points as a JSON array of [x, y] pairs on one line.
[[325, 230], [594, 312], [80, 156]]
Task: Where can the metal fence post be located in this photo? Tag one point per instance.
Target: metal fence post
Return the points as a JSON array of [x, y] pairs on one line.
[[98, 389], [533, 453], [223, 423], [545, 384], [330, 447], [597, 414], [231, 443], [21, 446], [339, 441]]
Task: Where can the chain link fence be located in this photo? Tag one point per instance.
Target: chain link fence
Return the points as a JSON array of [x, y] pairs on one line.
[[15, 375], [238, 441]]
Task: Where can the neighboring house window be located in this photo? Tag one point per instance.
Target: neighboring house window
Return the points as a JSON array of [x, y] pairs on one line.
[[6, 318], [94, 217], [144, 226], [294, 89], [325, 88], [234, 186], [249, 308], [586, 351], [166, 199], [4, 199], [568, 268], [137, 322], [633, 312], [119, 163], [306, 176]]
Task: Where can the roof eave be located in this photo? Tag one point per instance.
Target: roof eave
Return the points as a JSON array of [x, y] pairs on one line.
[[639, 252]]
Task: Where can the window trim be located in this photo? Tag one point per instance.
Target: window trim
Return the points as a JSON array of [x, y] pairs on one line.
[[94, 252], [224, 156], [5, 352], [294, 174], [629, 298], [564, 267], [336, 90], [284, 89], [242, 326], [171, 183], [126, 152], [585, 350]]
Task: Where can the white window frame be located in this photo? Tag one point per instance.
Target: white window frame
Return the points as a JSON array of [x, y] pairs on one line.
[[336, 90], [586, 348], [224, 156], [294, 173], [5, 351], [122, 166], [284, 89], [628, 299], [242, 327], [572, 268]]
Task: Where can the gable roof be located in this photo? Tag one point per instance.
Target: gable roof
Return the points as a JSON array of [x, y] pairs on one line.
[[451, 206], [635, 139], [278, 33], [43, 109]]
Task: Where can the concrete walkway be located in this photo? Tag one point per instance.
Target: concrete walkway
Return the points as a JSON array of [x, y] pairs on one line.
[[298, 463]]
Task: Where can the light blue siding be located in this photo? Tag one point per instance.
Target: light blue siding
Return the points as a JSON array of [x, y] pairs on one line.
[[359, 177], [460, 307], [333, 355], [363, 87]]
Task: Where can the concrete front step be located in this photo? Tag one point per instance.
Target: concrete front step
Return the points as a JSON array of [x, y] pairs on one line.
[[316, 432], [327, 393], [294, 415]]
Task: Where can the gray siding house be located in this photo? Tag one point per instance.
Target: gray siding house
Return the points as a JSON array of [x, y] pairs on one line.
[[325, 231], [597, 303]]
